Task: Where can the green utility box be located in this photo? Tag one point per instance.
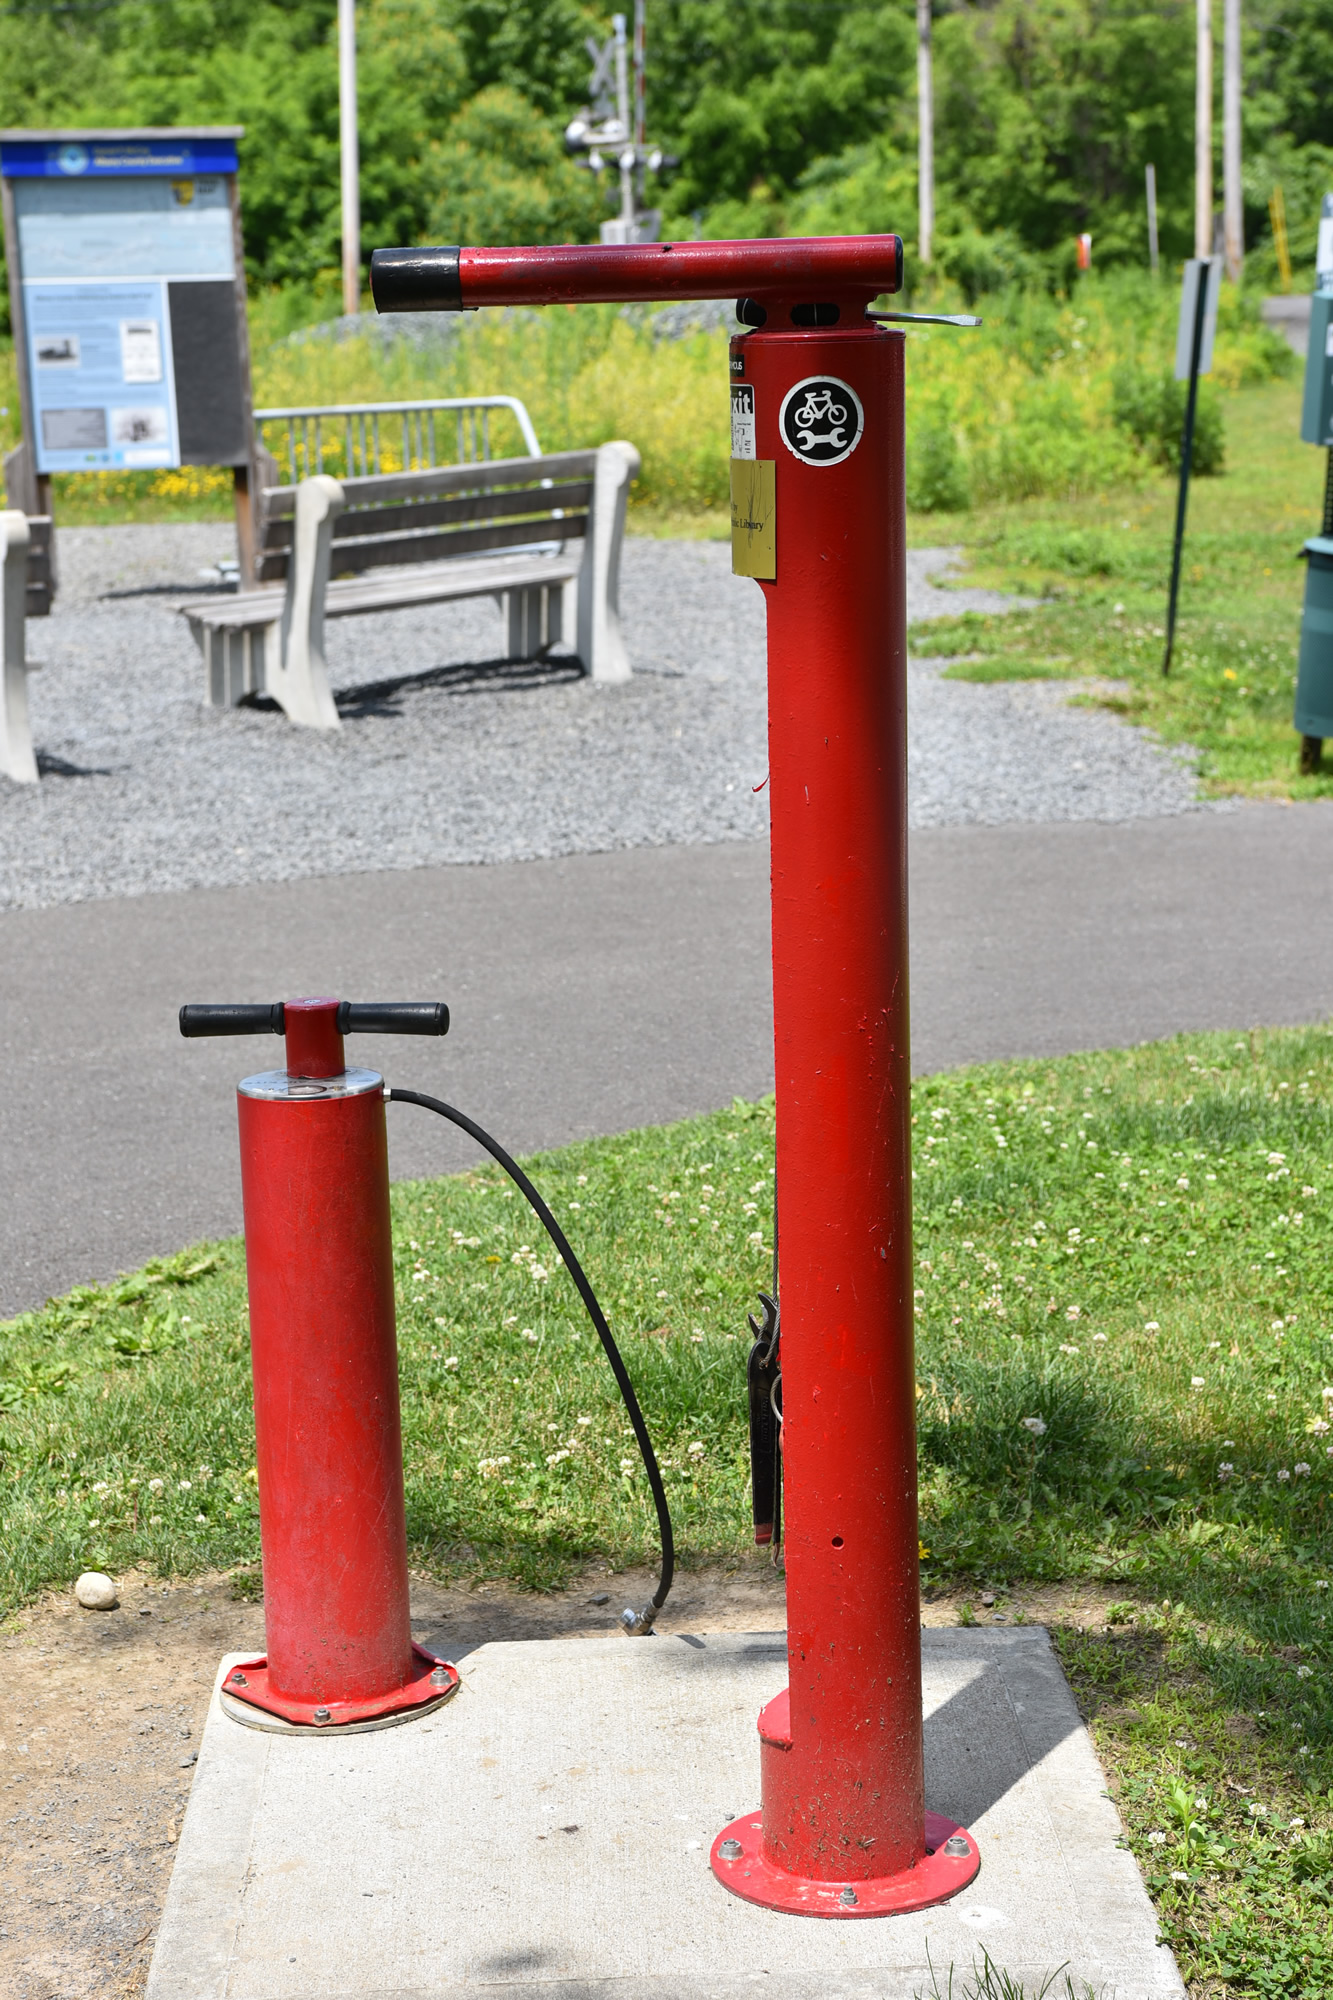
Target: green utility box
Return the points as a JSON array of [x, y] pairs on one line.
[[1314, 673], [1317, 409]]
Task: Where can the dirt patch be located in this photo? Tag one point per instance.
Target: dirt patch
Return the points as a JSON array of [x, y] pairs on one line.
[[101, 1720], [103, 1710]]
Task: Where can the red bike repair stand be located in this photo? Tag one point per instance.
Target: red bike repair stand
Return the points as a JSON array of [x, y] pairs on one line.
[[818, 519]]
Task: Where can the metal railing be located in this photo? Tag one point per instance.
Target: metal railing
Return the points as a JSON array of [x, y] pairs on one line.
[[362, 440]]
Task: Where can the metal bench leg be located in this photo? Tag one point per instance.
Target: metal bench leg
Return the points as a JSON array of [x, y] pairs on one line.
[[16, 753], [534, 620]]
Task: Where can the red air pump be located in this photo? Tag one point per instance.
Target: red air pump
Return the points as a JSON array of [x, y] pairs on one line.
[[324, 1351], [818, 519], [323, 1340]]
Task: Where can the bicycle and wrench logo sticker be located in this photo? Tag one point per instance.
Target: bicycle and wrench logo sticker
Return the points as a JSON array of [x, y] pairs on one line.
[[821, 420]]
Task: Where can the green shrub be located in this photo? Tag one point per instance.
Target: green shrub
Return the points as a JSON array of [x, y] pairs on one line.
[[1151, 408]]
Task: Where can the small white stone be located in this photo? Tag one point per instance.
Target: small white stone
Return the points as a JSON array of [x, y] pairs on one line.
[[96, 1592]]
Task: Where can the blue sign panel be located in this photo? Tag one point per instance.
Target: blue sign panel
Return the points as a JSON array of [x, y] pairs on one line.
[[83, 159], [99, 260]]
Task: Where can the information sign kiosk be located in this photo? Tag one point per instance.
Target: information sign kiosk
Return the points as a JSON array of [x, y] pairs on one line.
[[127, 292]]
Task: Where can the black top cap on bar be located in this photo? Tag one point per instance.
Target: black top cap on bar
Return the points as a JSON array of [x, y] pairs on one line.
[[414, 280]]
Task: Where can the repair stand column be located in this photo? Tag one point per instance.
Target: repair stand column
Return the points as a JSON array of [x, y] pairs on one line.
[[843, 1829]]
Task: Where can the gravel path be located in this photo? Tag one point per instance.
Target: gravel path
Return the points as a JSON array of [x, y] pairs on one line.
[[144, 789]]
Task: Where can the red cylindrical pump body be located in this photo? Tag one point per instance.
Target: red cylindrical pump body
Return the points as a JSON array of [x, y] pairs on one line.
[[319, 1261]]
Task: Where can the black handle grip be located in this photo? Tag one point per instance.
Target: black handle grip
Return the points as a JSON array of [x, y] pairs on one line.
[[261, 1018], [416, 280], [355, 1017], [393, 1017]]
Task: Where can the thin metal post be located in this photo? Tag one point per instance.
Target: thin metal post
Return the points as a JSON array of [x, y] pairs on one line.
[[351, 160], [1203, 129], [1150, 183], [1186, 455], [925, 134], [1233, 210]]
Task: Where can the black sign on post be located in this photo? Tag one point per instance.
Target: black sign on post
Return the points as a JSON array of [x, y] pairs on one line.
[[127, 296], [1194, 357]]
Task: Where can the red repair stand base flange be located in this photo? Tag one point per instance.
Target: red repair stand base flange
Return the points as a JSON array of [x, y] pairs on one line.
[[431, 1682], [941, 1874]]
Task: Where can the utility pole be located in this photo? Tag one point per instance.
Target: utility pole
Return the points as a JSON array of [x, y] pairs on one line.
[[1233, 212], [351, 157], [1150, 183], [925, 135], [1203, 131]]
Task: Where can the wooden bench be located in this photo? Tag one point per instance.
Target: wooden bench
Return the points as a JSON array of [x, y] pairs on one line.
[[16, 753], [533, 531]]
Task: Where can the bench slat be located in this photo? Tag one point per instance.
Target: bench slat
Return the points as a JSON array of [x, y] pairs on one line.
[[538, 501], [350, 558], [478, 477], [434, 583], [391, 590]]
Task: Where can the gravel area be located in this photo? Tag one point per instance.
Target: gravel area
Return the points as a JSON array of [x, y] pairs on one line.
[[144, 789]]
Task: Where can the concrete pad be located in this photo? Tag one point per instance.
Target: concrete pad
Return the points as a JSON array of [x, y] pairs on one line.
[[549, 1830]]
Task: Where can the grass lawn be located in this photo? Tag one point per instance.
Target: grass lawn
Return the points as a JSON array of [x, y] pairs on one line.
[[1124, 1375], [1101, 567]]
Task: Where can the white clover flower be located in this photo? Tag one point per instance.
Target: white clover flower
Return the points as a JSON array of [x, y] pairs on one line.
[[451, 1361], [1255, 1809], [1277, 1159], [1284, 1474], [1196, 1382], [1099, 1336], [1151, 1326], [1035, 1425], [1179, 1875], [626, 1466], [528, 1334], [1277, 1325], [554, 1457], [184, 1485], [201, 1517], [696, 1450], [101, 1486], [155, 1485], [94, 1524], [1301, 1469], [1305, 1673], [1073, 1312], [1156, 1838], [1305, 1751], [585, 1421], [491, 1468], [1184, 1181], [1065, 1348], [1321, 1583], [1225, 1470]]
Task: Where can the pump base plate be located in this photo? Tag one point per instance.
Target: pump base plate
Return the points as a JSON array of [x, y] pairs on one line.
[[933, 1880], [247, 1682]]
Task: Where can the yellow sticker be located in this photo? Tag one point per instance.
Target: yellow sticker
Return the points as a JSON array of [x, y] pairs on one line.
[[754, 542]]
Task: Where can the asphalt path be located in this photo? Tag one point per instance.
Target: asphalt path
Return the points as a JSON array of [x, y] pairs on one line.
[[596, 993]]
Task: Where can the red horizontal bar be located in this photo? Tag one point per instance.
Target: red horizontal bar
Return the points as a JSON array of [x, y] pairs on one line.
[[790, 267]]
